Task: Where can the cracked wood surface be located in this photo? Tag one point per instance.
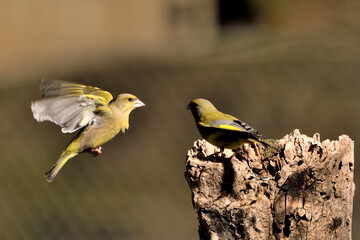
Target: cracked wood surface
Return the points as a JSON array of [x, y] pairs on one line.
[[302, 190]]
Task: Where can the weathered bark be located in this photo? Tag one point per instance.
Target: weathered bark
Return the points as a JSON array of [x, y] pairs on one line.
[[303, 190]]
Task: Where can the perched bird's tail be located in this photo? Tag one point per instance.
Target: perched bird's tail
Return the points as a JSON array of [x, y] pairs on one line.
[[65, 156]]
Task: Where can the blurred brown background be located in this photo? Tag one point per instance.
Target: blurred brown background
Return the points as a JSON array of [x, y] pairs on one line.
[[278, 65]]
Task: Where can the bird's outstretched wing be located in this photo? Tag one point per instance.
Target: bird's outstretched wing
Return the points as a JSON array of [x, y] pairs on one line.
[[70, 105]]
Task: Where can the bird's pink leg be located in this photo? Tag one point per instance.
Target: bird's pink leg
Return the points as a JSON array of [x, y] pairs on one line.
[[96, 151]]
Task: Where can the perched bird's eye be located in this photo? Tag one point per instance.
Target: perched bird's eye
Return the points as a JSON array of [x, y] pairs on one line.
[[130, 99]]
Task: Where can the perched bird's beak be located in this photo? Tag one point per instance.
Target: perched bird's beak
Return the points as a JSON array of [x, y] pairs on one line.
[[138, 103]]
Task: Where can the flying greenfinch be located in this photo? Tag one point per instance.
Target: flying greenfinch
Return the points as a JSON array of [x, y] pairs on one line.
[[92, 111], [220, 129]]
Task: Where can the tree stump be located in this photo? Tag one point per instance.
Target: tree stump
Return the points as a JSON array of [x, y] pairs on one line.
[[302, 190]]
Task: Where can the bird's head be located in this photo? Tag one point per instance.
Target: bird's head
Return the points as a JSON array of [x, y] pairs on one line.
[[127, 102], [200, 106]]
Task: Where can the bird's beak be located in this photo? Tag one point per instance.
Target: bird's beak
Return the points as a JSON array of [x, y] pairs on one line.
[[188, 107], [138, 103]]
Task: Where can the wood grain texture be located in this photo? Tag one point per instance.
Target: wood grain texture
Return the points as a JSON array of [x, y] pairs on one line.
[[302, 190]]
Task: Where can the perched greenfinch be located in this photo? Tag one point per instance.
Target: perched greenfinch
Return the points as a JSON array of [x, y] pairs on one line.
[[220, 129], [92, 111]]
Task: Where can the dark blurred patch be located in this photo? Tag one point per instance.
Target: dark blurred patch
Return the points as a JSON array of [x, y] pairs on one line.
[[236, 12]]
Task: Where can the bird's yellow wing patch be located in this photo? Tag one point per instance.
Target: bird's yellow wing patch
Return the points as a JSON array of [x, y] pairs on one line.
[[228, 127], [55, 88], [221, 126], [78, 89]]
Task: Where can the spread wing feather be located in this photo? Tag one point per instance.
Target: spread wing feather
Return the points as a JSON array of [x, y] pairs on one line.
[[70, 105], [54, 88]]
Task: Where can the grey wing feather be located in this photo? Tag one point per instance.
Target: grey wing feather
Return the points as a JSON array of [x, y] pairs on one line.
[[50, 88], [228, 122], [248, 128], [71, 113], [238, 124]]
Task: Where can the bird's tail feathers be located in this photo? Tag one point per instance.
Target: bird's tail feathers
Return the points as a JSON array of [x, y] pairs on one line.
[[65, 156]]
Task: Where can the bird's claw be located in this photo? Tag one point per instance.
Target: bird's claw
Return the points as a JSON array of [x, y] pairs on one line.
[[96, 151]]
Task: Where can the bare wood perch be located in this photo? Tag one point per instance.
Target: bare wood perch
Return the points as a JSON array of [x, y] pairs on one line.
[[304, 190]]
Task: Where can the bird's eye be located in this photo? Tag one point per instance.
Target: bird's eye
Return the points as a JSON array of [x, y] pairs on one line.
[[130, 99]]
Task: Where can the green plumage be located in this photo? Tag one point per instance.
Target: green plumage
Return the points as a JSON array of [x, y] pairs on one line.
[[220, 129], [90, 109]]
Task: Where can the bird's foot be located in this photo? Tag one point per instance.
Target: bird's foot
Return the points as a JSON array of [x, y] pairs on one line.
[[96, 151]]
